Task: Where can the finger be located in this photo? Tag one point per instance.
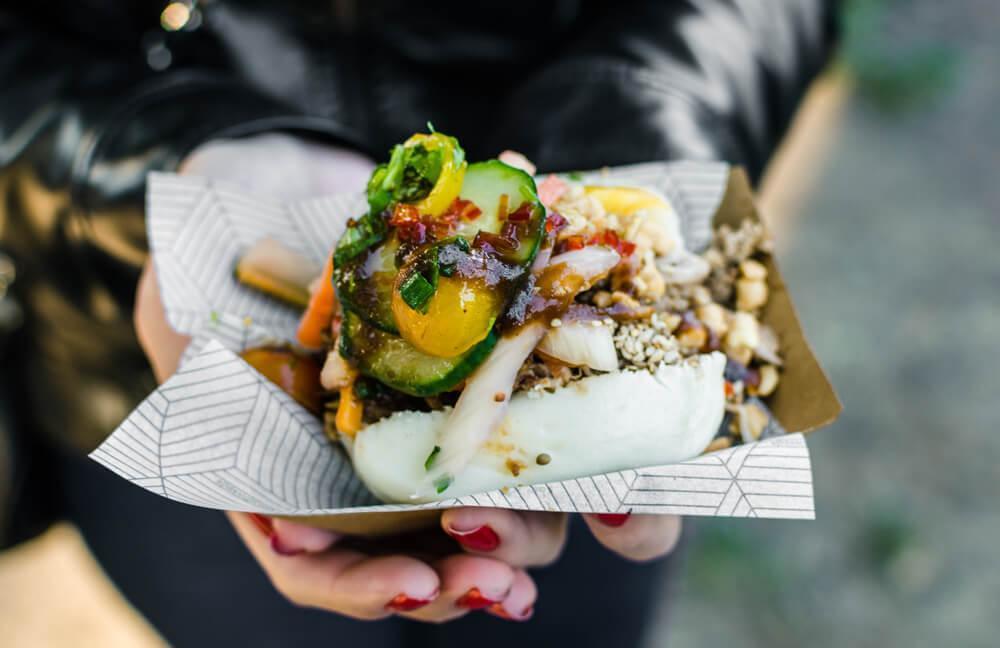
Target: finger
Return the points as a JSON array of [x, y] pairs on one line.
[[519, 538], [162, 345], [340, 580], [636, 537], [520, 603], [467, 583], [290, 538]]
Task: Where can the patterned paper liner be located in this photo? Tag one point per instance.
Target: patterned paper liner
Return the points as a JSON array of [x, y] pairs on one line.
[[220, 435]]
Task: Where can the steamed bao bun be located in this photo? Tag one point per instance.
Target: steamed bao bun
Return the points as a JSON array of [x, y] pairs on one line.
[[599, 424]]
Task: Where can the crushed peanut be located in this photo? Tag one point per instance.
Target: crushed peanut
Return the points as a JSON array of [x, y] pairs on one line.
[[751, 294]]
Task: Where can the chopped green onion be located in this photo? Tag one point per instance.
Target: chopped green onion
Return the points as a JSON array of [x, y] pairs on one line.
[[416, 291], [442, 483], [430, 458], [395, 168], [430, 127], [575, 176]]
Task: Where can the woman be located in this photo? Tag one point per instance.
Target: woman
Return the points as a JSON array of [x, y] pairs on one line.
[[296, 99]]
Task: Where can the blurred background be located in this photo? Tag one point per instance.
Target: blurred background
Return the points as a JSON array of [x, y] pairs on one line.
[[885, 202]]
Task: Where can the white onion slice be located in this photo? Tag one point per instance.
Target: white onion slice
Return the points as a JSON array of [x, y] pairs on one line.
[[582, 344], [591, 262], [483, 403], [336, 372]]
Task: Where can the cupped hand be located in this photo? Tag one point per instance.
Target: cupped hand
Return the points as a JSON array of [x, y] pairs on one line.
[[423, 576], [428, 577]]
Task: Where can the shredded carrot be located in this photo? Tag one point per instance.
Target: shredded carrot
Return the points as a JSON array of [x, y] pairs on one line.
[[349, 411], [319, 313], [502, 208]]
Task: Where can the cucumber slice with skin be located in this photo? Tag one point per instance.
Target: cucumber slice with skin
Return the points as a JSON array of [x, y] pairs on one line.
[[394, 362], [484, 184], [364, 284]]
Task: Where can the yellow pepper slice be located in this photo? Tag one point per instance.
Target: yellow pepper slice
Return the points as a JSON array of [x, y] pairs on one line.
[[625, 201], [449, 183], [459, 315]]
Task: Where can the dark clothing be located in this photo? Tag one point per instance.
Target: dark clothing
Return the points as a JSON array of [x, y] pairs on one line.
[[190, 575], [95, 93]]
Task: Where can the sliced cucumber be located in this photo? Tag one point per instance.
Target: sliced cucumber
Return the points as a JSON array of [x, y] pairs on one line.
[[394, 362], [364, 284], [484, 184], [364, 281]]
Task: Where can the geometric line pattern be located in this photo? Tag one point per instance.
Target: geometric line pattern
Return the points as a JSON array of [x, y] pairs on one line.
[[198, 229]]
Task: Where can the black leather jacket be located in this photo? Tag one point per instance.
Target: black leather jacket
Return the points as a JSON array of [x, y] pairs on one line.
[[95, 93]]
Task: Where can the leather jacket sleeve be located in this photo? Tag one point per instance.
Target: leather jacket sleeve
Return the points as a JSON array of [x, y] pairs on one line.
[[83, 118], [86, 113], [694, 79]]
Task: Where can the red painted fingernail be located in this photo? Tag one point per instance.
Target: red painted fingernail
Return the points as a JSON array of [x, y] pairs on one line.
[[613, 519], [403, 603], [262, 522], [482, 538], [281, 549], [499, 610], [474, 600]]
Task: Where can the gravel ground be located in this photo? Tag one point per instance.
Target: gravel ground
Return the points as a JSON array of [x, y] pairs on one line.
[[894, 264]]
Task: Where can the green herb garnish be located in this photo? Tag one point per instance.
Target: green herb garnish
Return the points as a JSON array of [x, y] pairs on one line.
[[409, 176], [442, 483], [421, 169], [417, 291], [430, 458]]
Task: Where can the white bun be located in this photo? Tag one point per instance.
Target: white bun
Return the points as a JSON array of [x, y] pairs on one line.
[[626, 419]]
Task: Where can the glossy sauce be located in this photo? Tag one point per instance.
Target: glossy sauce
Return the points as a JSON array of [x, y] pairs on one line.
[[296, 374]]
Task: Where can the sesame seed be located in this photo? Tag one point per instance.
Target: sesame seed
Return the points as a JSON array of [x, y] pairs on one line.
[[555, 323]]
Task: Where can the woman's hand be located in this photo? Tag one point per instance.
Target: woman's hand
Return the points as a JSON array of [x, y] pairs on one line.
[[636, 537], [428, 577], [427, 580], [312, 567]]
